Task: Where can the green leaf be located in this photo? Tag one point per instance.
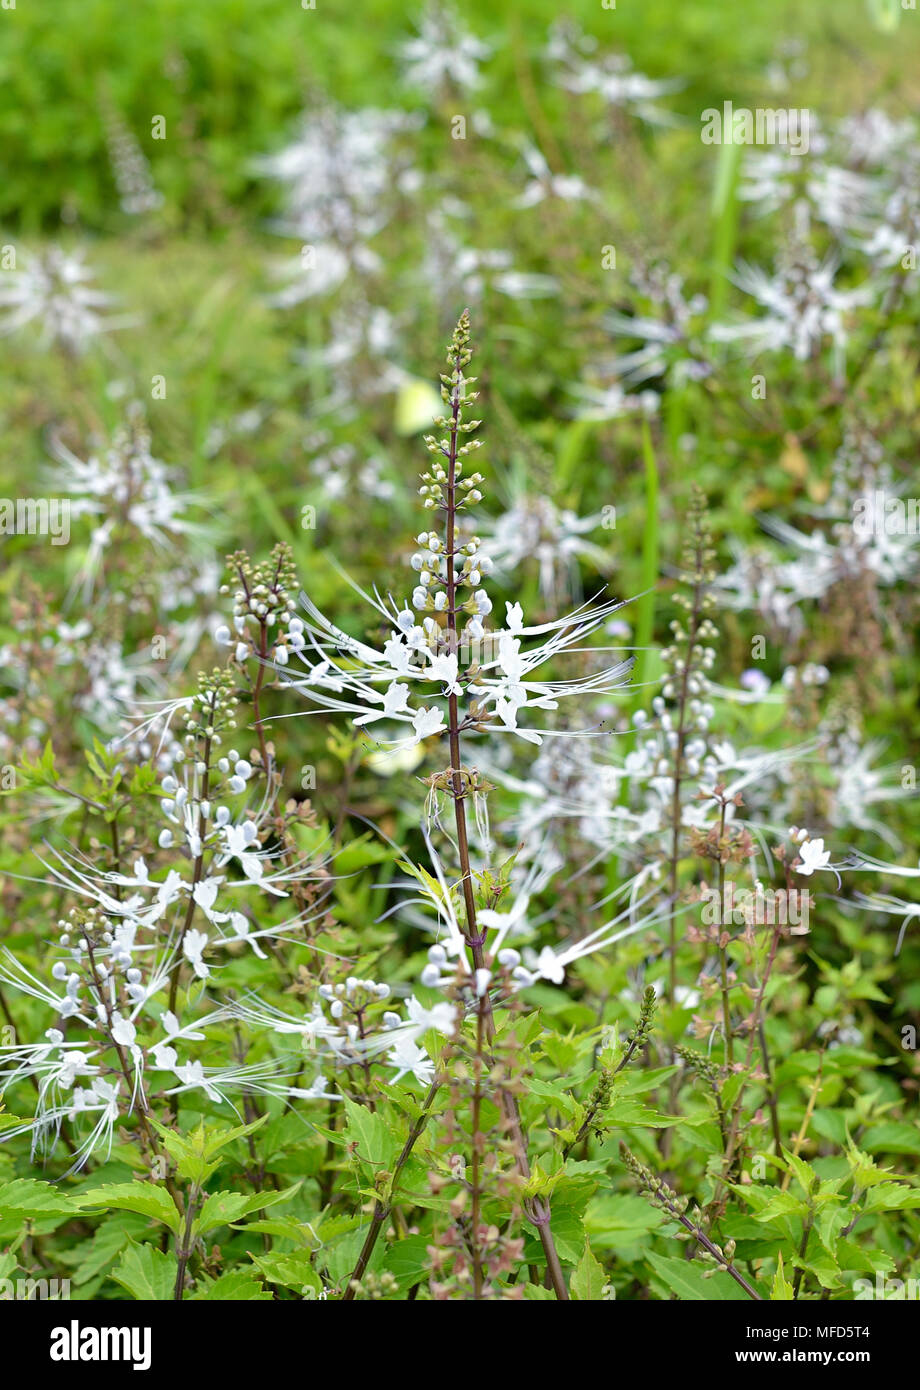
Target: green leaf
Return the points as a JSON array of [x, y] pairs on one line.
[[589, 1280], [144, 1197], [408, 1261], [822, 1265], [781, 1290], [375, 1144], [293, 1271], [237, 1286], [685, 1278], [725, 216], [574, 439], [893, 1196], [829, 1222], [805, 1175], [568, 1232], [632, 1112], [194, 1154], [286, 1228], [29, 1197], [618, 1223], [108, 1240], [147, 1273], [557, 1095], [895, 1137], [223, 1208], [781, 1205]]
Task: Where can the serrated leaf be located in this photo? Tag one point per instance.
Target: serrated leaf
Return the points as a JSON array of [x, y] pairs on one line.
[[408, 1260], [147, 1273], [106, 1243], [375, 1143], [589, 1280], [781, 1289], [285, 1228], [822, 1265], [829, 1222], [685, 1278], [237, 1286], [223, 1208], [28, 1196], [804, 1174], [892, 1196], [147, 1198], [292, 1271], [781, 1204], [893, 1137]]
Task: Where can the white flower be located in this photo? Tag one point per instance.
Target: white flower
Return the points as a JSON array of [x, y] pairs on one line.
[[407, 1056], [318, 1091], [205, 896], [427, 722], [395, 698], [192, 947], [240, 926], [612, 76], [536, 530], [813, 856], [124, 483], [237, 841], [337, 175], [550, 967], [545, 184], [440, 1016], [124, 1032], [803, 308], [54, 289], [192, 1075], [164, 1057], [444, 51], [444, 668]]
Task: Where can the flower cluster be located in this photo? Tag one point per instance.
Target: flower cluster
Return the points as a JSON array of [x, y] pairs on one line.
[[54, 289]]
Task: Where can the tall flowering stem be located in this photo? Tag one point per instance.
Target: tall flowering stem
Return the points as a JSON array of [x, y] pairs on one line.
[[459, 356], [688, 658]]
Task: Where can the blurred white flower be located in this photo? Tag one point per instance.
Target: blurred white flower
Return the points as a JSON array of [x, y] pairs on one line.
[[443, 52], [612, 76], [54, 289], [803, 309]]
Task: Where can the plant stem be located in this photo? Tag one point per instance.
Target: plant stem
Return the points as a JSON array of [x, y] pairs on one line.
[[476, 1164], [806, 1119], [723, 957], [729, 1268], [806, 1232], [143, 1110], [538, 1210], [184, 1250], [196, 876], [384, 1205]]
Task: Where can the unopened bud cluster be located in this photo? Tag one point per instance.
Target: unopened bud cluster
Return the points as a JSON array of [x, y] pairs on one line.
[[213, 708], [262, 601]]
